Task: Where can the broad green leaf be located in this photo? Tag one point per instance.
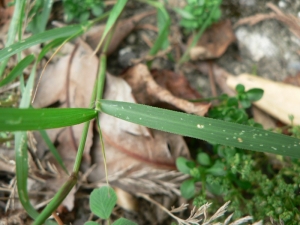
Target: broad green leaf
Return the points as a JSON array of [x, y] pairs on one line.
[[254, 94], [181, 164], [218, 169], [103, 201], [123, 221], [240, 88], [17, 70], [40, 38], [203, 159], [12, 119], [211, 130], [53, 150], [187, 189]]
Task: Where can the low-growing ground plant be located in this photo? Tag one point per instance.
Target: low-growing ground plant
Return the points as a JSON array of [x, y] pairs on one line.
[[233, 174], [229, 130]]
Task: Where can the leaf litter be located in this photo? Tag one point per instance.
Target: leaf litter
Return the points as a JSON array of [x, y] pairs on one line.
[[139, 159]]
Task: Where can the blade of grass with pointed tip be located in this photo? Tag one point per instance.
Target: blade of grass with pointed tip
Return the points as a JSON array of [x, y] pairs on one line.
[[164, 21], [37, 119], [113, 17], [211, 130], [17, 70], [53, 150], [55, 43], [40, 38]]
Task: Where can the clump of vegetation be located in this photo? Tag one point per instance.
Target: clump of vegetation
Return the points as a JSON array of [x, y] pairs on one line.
[[80, 11], [232, 174], [199, 13]]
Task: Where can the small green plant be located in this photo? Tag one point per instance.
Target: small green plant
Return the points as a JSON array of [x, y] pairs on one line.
[[234, 174], [102, 203], [197, 13], [80, 11]]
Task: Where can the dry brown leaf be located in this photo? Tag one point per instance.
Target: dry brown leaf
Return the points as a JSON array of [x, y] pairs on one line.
[[263, 118], [147, 91], [293, 80], [5, 12], [177, 84], [291, 21], [123, 29], [53, 87], [214, 42], [131, 147], [220, 76]]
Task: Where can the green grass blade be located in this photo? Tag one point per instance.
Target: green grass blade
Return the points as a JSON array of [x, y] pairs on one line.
[[22, 172], [36, 119], [55, 43], [40, 38], [164, 21], [53, 150], [17, 70], [211, 130], [40, 19], [15, 24], [112, 19]]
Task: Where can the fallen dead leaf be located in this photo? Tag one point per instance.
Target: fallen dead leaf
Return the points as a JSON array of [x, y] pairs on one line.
[[263, 118], [123, 29], [293, 80], [147, 91], [5, 12], [214, 42]]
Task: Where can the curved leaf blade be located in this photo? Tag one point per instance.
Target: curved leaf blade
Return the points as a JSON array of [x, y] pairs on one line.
[[211, 130], [17, 70], [12, 119], [40, 38], [22, 172]]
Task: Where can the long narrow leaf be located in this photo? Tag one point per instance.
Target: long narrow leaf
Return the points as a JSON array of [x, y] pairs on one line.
[[211, 130], [40, 38], [17, 70], [113, 16], [22, 172], [37, 119], [53, 150]]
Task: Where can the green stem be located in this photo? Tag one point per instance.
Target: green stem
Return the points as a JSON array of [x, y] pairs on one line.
[[186, 56], [102, 70], [57, 199], [13, 29]]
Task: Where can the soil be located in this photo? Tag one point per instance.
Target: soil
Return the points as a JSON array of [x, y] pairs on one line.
[[267, 49]]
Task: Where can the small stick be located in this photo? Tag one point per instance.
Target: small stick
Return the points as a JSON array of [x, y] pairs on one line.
[[57, 219]]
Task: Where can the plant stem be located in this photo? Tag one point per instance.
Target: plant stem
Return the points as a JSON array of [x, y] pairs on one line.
[[57, 199], [13, 29], [186, 56]]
